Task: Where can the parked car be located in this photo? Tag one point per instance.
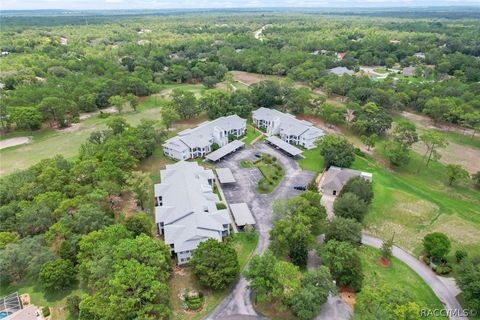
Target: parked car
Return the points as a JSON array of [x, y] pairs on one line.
[[258, 154], [301, 188]]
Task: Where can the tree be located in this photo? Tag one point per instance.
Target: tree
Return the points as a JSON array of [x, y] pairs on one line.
[[184, 103], [344, 264], [297, 100], [262, 276], [28, 118], [169, 115], [467, 276], [433, 141], [405, 133], [118, 125], [267, 94], [359, 186], [140, 184], [369, 141], [476, 179], [139, 223], [387, 302], [397, 153], [73, 305], [57, 274], [349, 205], [291, 236], [316, 286], [337, 151], [343, 229], [456, 173], [118, 102], [386, 248], [7, 237], [332, 114], [215, 264], [436, 245], [216, 103], [132, 100], [371, 118]]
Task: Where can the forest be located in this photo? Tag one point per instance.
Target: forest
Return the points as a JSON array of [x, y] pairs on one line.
[[66, 222]]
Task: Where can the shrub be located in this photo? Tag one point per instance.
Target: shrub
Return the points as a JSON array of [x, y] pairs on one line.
[[221, 206], [460, 255], [443, 270], [57, 274], [73, 305], [46, 311]]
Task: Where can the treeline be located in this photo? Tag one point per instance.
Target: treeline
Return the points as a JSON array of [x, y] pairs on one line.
[[60, 223], [53, 74]]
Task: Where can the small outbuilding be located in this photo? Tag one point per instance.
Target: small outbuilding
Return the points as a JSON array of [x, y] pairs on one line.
[[242, 215], [335, 178]]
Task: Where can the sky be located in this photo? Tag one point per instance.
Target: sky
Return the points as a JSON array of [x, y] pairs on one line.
[[192, 4]]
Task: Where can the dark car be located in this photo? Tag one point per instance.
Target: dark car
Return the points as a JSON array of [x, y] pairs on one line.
[[301, 188], [258, 155]]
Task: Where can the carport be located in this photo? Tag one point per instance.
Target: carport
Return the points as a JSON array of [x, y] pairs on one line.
[[285, 146], [225, 150], [225, 175], [242, 215]]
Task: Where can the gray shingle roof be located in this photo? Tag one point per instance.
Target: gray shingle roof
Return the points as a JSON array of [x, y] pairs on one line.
[[188, 210], [340, 71], [336, 177]]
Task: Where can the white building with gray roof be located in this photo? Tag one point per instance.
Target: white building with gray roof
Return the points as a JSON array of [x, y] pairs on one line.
[[287, 127], [335, 178], [197, 142], [340, 71], [185, 208]]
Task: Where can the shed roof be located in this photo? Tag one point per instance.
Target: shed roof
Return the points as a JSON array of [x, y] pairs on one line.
[[242, 214], [285, 146], [225, 175], [226, 149]]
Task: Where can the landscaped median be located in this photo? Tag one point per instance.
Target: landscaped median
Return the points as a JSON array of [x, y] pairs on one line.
[[272, 173]]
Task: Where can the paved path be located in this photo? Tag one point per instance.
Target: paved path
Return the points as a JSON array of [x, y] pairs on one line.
[[238, 301], [443, 292]]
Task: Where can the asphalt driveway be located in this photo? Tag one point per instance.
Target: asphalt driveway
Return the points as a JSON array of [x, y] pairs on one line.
[[238, 302]]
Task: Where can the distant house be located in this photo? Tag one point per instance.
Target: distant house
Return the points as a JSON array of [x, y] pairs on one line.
[[335, 178], [341, 55], [409, 71], [340, 71], [197, 142], [419, 55], [185, 209], [287, 127]]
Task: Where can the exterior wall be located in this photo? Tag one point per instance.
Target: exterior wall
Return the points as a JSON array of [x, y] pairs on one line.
[[308, 143], [177, 155], [183, 257]]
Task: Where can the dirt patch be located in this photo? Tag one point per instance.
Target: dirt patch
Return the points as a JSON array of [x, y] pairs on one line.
[[128, 204], [248, 78], [12, 142], [466, 156], [73, 128], [426, 122], [87, 115], [348, 295], [188, 123]]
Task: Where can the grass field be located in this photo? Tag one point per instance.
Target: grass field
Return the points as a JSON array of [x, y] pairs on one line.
[[48, 142], [398, 275], [244, 245], [312, 160], [412, 205], [55, 300]]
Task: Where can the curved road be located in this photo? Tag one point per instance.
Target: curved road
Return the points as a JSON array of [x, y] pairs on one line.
[[446, 296]]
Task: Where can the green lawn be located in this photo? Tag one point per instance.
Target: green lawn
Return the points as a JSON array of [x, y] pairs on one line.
[[412, 205], [313, 160], [55, 300], [246, 164], [398, 275], [380, 70], [251, 135]]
